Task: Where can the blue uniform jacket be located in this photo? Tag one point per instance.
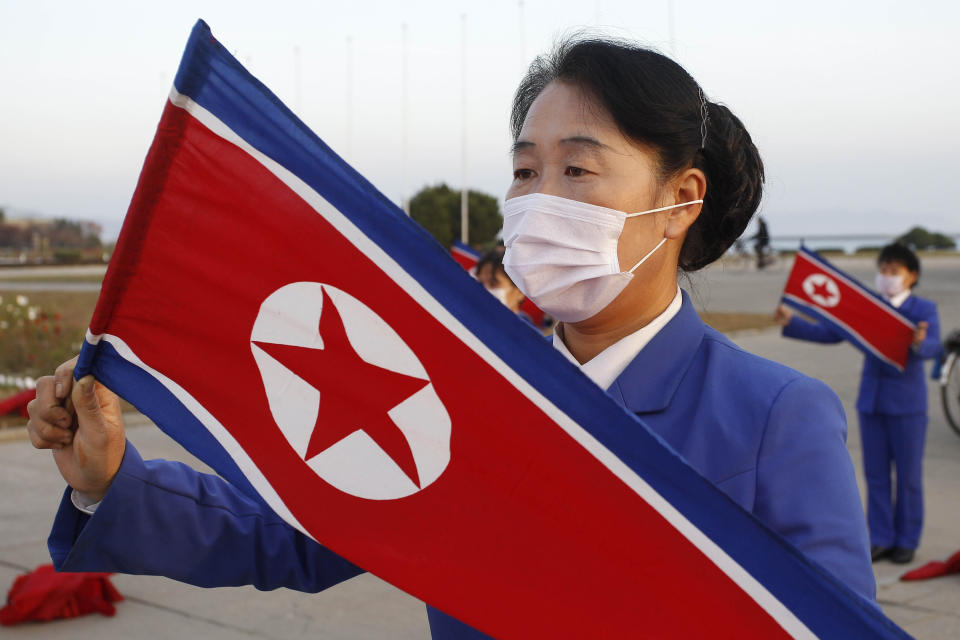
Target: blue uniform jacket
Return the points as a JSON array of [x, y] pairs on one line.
[[770, 438], [883, 389]]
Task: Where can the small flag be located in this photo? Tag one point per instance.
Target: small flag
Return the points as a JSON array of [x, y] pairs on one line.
[[869, 322], [465, 255], [292, 328]]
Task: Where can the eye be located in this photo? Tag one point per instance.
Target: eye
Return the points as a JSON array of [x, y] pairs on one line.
[[576, 172], [522, 174]]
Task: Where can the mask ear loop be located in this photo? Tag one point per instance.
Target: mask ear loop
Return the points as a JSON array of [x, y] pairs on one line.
[[666, 208], [659, 244], [644, 258]]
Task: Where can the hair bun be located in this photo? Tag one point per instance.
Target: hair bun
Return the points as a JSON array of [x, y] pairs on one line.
[[735, 177]]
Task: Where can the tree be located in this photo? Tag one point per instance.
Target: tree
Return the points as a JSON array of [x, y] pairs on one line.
[[437, 209], [920, 238]]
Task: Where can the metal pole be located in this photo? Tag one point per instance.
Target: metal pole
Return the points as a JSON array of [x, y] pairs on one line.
[[464, 213], [673, 42], [404, 198], [296, 77], [349, 145], [523, 52]]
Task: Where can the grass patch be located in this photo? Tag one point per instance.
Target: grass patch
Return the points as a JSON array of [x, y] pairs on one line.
[[41, 329], [52, 277]]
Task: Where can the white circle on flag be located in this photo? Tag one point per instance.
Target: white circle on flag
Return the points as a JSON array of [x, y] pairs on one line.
[[822, 289], [355, 464]]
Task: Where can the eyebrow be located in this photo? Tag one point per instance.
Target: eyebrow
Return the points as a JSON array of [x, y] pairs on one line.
[[582, 141]]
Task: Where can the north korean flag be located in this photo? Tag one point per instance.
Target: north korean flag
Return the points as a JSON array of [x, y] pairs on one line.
[[465, 255], [291, 327], [869, 322]]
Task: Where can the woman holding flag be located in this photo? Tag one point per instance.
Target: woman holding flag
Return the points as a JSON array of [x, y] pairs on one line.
[[619, 160], [892, 407]]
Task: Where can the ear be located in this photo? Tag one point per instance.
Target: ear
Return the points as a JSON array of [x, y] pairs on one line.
[[687, 186]]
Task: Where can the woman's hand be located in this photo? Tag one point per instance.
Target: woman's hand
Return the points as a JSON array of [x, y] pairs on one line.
[[920, 333], [782, 315], [81, 422]]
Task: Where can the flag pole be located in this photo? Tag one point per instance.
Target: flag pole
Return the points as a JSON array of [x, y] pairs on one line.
[[296, 78], [523, 52], [464, 213], [404, 200], [670, 30], [349, 145]]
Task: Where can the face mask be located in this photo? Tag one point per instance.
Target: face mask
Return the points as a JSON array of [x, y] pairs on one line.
[[500, 293], [562, 253], [890, 285]]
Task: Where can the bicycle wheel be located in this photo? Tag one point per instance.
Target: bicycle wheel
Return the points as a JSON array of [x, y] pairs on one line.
[[950, 390]]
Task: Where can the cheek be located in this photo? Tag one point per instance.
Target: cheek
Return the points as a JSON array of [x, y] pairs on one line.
[[639, 235]]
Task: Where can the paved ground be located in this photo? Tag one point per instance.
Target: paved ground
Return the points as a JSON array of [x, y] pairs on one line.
[[368, 608]]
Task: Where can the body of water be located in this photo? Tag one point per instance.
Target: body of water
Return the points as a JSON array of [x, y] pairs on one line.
[[846, 243]]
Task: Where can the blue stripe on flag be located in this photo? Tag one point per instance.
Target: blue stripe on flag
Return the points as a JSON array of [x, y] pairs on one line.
[[465, 249]]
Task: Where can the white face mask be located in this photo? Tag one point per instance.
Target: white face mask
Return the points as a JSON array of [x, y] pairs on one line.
[[890, 285], [500, 293], [562, 253]]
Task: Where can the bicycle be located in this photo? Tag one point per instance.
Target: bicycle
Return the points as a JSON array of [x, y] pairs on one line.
[[950, 380]]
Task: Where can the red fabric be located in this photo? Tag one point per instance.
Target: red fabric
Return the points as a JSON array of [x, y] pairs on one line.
[[934, 569], [44, 595], [17, 402]]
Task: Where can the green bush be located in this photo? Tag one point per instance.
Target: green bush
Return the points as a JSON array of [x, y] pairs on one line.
[[67, 256], [920, 238]]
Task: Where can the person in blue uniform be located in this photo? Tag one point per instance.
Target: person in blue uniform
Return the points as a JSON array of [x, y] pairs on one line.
[[892, 407], [624, 175]]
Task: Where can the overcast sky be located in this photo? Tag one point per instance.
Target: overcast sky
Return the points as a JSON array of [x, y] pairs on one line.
[[855, 106]]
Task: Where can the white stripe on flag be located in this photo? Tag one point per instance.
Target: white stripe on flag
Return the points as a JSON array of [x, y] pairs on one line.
[[817, 309]]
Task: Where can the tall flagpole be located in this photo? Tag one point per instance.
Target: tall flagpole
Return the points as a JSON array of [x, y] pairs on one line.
[[523, 52], [464, 214], [296, 78], [673, 43], [349, 145], [404, 199]]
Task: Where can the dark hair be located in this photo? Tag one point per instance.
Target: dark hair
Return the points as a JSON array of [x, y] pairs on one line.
[[654, 101], [897, 252], [493, 259]]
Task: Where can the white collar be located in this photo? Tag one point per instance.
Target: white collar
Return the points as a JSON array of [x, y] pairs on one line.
[[607, 365], [899, 299]]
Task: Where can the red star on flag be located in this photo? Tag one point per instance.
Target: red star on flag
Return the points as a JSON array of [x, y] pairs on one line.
[[354, 394], [822, 291]]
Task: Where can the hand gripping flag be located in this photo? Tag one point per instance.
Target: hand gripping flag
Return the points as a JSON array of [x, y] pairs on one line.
[[869, 322], [288, 325]]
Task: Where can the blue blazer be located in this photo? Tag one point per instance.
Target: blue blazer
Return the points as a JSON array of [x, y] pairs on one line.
[[769, 437], [883, 389]]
